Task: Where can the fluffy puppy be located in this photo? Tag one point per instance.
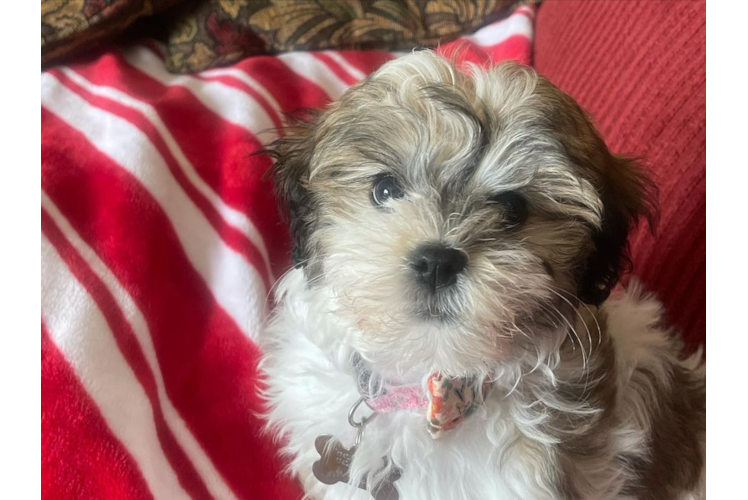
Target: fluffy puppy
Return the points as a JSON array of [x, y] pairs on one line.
[[472, 223]]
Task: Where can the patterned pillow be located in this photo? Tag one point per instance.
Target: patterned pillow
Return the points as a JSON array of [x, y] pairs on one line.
[[202, 34], [71, 25], [217, 32]]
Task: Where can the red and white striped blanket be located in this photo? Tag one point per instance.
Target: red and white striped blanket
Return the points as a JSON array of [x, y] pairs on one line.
[[160, 243]]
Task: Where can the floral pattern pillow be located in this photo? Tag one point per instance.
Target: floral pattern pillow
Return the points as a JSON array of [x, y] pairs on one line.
[[217, 32], [201, 34]]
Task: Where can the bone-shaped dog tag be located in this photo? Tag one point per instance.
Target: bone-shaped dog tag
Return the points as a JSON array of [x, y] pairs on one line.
[[334, 465], [334, 460]]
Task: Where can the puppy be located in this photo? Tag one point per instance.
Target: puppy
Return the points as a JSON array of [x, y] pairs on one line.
[[447, 330]]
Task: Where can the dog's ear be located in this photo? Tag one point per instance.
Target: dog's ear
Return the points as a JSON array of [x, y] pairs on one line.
[[627, 195], [290, 174]]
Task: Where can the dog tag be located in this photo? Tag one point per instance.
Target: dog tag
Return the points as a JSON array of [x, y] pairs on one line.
[[334, 465], [334, 460]]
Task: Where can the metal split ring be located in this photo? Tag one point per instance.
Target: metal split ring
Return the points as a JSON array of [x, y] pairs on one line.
[[352, 414]]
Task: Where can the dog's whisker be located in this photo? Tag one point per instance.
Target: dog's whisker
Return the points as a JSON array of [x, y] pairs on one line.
[[587, 357], [594, 316], [573, 330]]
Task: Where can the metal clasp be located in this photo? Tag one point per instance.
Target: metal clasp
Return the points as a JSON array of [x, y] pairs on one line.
[[358, 425]]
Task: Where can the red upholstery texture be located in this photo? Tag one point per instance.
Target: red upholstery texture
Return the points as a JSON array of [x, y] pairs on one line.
[[639, 68]]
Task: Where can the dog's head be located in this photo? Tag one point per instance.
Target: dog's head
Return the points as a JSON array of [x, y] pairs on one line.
[[448, 211]]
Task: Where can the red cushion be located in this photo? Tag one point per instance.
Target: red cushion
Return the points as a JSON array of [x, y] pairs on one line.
[[639, 68]]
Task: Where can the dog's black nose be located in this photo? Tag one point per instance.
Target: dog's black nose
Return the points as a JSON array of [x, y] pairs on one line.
[[436, 265]]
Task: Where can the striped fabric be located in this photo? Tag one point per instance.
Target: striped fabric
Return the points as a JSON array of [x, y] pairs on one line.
[[160, 244]]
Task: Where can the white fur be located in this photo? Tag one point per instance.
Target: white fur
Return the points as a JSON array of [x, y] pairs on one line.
[[500, 452]]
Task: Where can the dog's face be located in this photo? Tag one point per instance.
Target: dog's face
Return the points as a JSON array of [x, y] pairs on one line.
[[450, 213]]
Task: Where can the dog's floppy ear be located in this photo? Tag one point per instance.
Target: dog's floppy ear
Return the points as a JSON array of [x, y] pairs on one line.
[[290, 173], [627, 194]]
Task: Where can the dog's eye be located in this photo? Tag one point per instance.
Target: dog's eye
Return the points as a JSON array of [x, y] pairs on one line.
[[384, 189], [513, 205]]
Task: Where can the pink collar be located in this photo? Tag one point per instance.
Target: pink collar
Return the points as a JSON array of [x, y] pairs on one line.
[[448, 400], [406, 397]]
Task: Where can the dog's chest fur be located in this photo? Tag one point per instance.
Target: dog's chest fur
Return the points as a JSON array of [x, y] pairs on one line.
[[313, 396], [521, 444]]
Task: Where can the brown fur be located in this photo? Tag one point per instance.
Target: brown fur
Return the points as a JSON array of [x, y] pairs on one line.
[[677, 437]]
